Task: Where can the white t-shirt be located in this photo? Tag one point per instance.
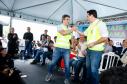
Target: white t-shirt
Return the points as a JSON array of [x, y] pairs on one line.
[[82, 50]]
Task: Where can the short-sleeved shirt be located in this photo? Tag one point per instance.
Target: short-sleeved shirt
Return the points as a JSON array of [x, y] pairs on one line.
[[102, 28], [63, 41], [60, 27]]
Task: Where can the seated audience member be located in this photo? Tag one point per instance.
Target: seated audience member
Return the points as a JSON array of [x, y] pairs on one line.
[[34, 48], [46, 50], [74, 43], [5, 59], [80, 60], [74, 50], [40, 51], [121, 50], [124, 59], [113, 47], [8, 74], [108, 46], [50, 46]]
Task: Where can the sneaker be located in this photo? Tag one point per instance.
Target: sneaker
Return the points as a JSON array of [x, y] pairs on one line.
[[48, 77], [23, 76], [66, 81]]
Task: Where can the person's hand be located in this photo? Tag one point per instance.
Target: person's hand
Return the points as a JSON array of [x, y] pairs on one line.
[[79, 46], [39, 44], [14, 36], [6, 71], [91, 45], [11, 72], [26, 40], [84, 52]]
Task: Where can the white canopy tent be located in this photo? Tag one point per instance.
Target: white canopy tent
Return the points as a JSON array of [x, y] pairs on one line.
[[50, 11]]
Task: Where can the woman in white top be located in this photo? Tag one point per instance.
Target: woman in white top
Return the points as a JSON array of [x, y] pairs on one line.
[[80, 59]]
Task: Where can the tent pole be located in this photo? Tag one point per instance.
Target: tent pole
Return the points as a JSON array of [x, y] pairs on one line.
[[11, 21]]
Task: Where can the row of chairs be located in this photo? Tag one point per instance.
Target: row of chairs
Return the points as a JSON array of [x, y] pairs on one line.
[[108, 60]]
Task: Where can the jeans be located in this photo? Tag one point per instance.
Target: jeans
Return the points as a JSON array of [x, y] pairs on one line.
[[34, 52], [28, 48], [72, 62], [47, 55], [60, 52], [83, 75], [93, 59], [37, 56], [77, 67]]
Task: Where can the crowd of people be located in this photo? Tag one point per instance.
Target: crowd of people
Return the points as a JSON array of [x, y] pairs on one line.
[[76, 56]]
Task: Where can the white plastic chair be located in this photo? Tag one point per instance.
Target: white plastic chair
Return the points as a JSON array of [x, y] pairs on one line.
[[108, 60]]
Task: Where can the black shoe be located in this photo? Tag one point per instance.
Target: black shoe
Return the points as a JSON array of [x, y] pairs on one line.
[[75, 80], [42, 64], [34, 62]]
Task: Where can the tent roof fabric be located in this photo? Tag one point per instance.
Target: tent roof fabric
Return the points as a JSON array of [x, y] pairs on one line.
[[53, 10]]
